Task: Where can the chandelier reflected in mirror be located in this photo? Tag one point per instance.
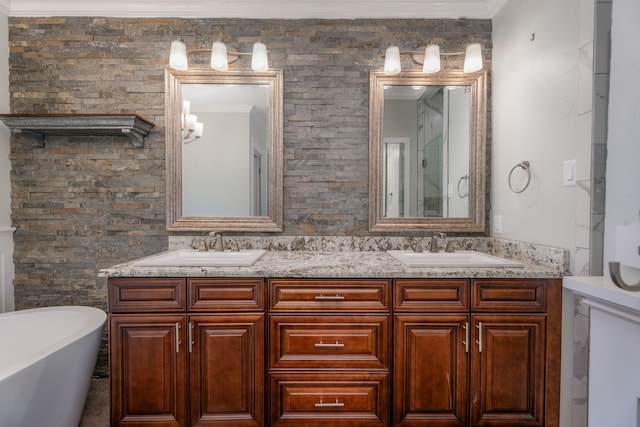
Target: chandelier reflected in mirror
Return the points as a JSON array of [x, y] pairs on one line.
[[191, 128]]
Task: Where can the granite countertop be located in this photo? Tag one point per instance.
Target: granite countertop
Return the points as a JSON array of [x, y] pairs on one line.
[[333, 264]]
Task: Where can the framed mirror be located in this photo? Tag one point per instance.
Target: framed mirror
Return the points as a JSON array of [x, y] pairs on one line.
[[427, 152], [224, 150]]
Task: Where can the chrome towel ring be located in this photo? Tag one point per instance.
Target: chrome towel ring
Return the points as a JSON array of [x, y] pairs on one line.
[[463, 178], [524, 165]]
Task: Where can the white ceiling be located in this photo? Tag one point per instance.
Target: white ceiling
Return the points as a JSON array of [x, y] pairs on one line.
[[287, 9]]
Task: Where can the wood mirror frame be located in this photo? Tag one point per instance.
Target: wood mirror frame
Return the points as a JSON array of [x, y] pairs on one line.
[[174, 80], [476, 220]]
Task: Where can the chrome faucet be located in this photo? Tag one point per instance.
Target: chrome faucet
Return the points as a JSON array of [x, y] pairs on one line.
[[218, 245], [435, 244]]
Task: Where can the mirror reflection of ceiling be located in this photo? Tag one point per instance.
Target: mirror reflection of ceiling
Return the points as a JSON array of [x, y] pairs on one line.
[[261, 9], [221, 97]]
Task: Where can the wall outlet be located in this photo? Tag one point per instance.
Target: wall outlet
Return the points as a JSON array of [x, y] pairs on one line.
[[497, 224], [569, 173]]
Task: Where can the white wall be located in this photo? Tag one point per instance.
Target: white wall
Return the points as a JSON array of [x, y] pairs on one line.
[[534, 97], [6, 232], [623, 146]]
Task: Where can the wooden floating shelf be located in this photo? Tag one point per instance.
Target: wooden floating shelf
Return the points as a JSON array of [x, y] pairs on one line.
[[133, 126]]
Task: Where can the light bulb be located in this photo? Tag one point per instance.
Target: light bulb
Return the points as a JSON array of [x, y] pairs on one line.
[[392, 60], [473, 58], [178, 56], [219, 60], [431, 59], [259, 59]]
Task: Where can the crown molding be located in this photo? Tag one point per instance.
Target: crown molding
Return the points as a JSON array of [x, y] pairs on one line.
[[256, 9]]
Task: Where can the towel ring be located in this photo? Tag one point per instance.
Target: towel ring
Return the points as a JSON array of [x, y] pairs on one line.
[[525, 166], [614, 271], [463, 178]]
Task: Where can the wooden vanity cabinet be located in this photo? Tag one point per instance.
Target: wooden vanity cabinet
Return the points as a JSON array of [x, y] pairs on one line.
[[187, 352], [329, 353], [476, 352], [334, 352]]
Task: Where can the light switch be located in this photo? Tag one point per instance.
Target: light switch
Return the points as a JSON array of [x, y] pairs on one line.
[[497, 224], [569, 173]]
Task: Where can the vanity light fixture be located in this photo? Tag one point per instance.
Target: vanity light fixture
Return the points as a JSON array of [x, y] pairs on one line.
[[221, 56], [191, 128], [429, 57]]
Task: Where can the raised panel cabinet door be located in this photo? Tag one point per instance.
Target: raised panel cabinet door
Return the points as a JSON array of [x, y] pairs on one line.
[[431, 362], [227, 370], [148, 372], [508, 370]]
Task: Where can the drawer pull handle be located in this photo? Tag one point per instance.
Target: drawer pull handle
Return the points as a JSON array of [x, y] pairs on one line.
[[330, 345], [329, 297], [329, 405]]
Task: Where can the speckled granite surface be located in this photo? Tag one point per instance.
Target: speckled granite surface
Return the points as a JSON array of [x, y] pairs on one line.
[[353, 257]]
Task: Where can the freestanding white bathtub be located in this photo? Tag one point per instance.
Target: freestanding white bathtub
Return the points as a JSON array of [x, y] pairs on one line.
[[47, 357]]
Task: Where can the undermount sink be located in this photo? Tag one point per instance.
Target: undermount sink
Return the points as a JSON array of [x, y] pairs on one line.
[[460, 259], [191, 258]]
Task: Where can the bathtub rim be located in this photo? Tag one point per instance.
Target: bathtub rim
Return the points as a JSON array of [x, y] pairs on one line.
[[96, 319]]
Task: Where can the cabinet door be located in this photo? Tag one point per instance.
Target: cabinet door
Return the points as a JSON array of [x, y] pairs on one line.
[[508, 370], [227, 370], [148, 370], [430, 381]]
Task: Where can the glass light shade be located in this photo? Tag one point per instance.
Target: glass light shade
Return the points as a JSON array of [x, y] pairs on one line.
[[186, 106], [473, 58], [199, 129], [392, 60], [431, 59], [178, 56], [219, 60], [259, 58], [192, 119]]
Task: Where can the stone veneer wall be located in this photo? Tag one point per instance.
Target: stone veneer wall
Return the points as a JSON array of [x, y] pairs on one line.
[[83, 203]]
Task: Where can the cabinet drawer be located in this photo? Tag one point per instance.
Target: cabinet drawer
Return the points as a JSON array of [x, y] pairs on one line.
[[449, 295], [131, 295], [329, 399], [329, 341], [509, 295], [325, 295], [226, 294]]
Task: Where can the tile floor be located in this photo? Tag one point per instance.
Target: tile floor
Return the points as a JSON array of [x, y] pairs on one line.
[[96, 409]]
